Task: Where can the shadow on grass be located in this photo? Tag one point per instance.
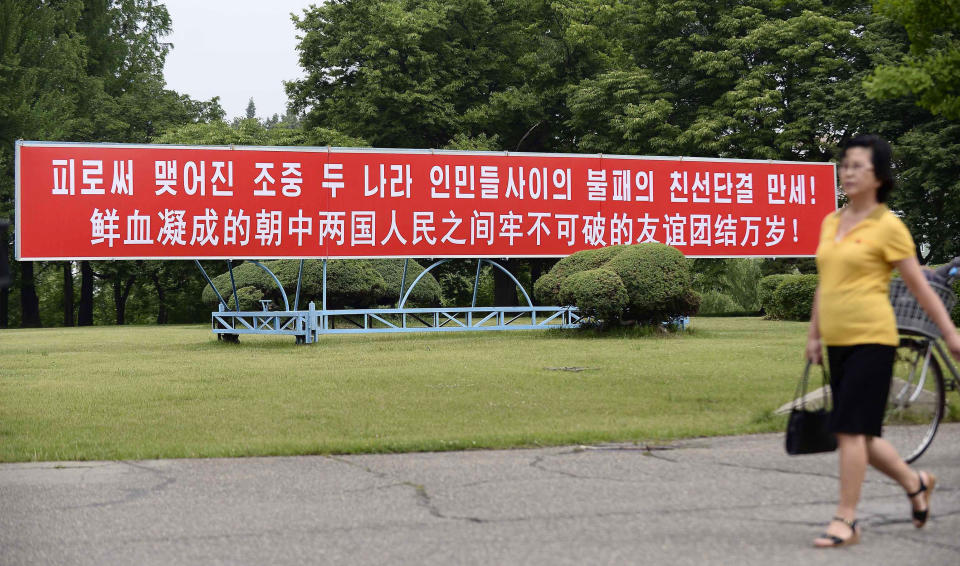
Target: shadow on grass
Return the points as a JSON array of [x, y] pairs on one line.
[[619, 332], [272, 344], [585, 333]]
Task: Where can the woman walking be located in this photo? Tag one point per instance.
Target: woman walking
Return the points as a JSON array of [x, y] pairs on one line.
[[859, 247]]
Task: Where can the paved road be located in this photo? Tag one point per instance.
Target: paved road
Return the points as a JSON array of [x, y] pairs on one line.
[[735, 500]]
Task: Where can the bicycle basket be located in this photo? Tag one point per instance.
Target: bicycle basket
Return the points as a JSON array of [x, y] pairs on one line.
[[911, 318]]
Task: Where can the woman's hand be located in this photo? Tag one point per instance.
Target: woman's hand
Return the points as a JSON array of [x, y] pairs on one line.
[[814, 350]]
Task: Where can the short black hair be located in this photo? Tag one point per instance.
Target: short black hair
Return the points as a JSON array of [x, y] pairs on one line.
[[882, 157]]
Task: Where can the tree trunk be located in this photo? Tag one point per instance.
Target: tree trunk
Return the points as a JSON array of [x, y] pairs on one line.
[[29, 302], [504, 289], [536, 270], [4, 308], [162, 315], [118, 305], [85, 313], [5, 291], [68, 293], [121, 292]]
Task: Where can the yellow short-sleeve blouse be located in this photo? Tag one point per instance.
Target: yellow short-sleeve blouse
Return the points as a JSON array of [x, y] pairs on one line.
[[855, 278]]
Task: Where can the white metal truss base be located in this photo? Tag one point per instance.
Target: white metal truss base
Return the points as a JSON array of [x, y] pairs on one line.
[[308, 325]]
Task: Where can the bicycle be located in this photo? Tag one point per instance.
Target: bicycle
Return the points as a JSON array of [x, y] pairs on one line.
[[917, 399]]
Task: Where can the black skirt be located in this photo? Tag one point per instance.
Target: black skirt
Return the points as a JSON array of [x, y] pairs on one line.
[[860, 377]]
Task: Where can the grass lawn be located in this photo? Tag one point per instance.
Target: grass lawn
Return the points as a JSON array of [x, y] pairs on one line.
[[142, 392]]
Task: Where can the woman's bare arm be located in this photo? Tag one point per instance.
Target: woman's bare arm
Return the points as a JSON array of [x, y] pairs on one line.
[[814, 346]]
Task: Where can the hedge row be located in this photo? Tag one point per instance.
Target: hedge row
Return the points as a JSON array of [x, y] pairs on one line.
[[787, 297], [790, 297]]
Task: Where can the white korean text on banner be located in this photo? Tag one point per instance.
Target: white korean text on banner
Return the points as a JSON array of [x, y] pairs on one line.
[[112, 201]]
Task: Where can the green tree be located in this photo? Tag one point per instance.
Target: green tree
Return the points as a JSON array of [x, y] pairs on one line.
[[77, 70], [788, 78], [289, 120], [252, 132], [251, 110], [928, 188], [761, 79], [41, 80], [930, 73], [643, 91], [420, 73]]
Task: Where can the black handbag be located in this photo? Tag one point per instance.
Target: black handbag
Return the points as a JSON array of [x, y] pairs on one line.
[[808, 429]]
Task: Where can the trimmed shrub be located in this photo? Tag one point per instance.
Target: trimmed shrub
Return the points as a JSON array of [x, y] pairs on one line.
[[793, 297], [546, 289], [688, 304], [586, 259], [765, 290], [655, 277], [245, 275], [425, 294], [249, 298], [350, 283], [598, 293]]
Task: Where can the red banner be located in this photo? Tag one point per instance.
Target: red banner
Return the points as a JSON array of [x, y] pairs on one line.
[[112, 201]]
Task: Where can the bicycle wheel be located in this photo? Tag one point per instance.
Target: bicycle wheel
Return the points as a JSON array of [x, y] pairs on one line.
[[916, 402]]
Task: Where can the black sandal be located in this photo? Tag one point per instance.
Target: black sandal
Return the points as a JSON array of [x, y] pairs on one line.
[[834, 541], [920, 517]]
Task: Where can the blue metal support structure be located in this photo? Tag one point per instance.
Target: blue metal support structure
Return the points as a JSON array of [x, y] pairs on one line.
[[476, 284], [307, 325], [403, 278], [296, 298], [403, 301], [283, 294], [233, 284], [209, 282]]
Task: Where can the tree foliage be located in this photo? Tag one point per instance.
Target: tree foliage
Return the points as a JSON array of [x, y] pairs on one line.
[[930, 73], [767, 79], [760, 79], [418, 73], [82, 70], [928, 188], [254, 132], [728, 283]]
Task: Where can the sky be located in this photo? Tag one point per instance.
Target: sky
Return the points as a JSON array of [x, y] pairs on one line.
[[236, 50]]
